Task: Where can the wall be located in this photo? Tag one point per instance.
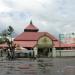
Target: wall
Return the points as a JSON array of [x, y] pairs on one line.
[[65, 53]]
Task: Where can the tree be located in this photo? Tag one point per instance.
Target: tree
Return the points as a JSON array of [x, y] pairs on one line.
[[2, 40], [8, 33], [10, 30], [10, 42], [3, 35]]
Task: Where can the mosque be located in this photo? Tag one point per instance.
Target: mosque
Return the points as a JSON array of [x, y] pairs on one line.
[[42, 42]]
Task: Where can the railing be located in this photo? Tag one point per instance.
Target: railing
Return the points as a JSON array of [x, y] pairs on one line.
[[65, 52]]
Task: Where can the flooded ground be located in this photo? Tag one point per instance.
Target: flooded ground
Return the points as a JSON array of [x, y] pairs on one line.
[[42, 66]]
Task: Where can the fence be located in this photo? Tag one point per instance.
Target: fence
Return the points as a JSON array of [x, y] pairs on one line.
[[65, 53]]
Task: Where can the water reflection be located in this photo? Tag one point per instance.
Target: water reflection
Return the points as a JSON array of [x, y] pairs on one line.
[[17, 67], [44, 67], [38, 67]]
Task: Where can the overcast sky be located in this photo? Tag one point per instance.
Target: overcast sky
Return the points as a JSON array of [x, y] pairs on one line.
[[54, 16]]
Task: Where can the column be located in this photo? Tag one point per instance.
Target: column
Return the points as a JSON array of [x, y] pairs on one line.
[[35, 52], [49, 54], [53, 52]]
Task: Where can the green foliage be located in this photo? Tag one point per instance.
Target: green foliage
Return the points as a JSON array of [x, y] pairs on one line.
[[2, 40], [5, 33], [10, 30], [5, 39]]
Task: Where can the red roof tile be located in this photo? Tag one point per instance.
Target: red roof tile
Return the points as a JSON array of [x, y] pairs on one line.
[[69, 45], [32, 36], [60, 44], [30, 44]]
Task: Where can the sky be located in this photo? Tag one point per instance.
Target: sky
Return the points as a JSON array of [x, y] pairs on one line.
[[53, 16]]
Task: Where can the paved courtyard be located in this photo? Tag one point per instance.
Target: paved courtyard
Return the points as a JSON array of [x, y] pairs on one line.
[[42, 66]]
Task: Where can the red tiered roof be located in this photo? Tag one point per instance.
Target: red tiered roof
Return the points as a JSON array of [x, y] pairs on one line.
[[30, 36], [31, 27]]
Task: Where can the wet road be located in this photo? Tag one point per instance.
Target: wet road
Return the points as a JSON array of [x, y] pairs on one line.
[[42, 66]]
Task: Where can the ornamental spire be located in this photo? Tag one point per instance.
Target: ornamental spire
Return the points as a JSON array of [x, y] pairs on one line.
[[31, 22], [31, 28]]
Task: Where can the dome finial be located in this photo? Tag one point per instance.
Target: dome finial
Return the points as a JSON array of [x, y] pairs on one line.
[[31, 22]]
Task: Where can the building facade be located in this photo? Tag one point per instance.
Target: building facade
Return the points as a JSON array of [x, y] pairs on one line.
[[68, 38]]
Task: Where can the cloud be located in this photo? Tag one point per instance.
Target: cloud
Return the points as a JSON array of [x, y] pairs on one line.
[[54, 16], [3, 7]]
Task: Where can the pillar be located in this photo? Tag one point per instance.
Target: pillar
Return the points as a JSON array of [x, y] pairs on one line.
[[35, 52], [53, 52], [50, 53]]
